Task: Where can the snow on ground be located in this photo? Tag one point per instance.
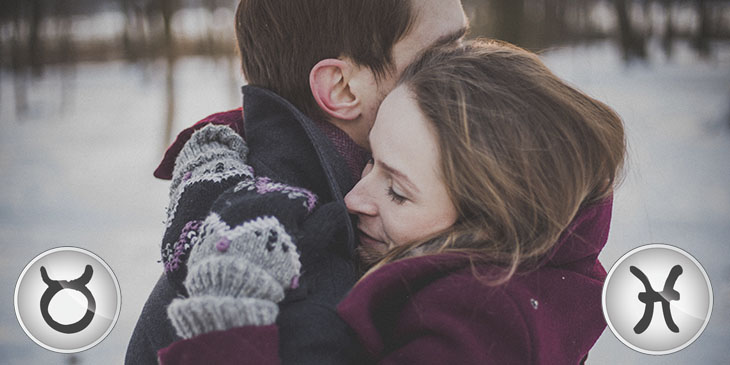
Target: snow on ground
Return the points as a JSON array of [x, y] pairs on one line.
[[677, 180], [81, 175]]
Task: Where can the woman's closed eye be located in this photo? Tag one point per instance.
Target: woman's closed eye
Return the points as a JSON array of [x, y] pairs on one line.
[[394, 196]]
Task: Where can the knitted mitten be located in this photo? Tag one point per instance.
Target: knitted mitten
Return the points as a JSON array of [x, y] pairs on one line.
[[236, 276], [211, 161], [242, 258], [212, 153]]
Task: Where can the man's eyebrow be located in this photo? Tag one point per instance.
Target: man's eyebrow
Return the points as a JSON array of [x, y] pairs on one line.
[[451, 37], [400, 175]]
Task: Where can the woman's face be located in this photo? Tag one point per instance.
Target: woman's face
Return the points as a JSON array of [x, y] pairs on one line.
[[401, 197]]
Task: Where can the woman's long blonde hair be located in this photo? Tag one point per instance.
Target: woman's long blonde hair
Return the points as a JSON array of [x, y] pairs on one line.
[[521, 151]]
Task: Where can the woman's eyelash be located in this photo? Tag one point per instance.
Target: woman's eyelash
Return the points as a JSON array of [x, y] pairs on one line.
[[395, 197]]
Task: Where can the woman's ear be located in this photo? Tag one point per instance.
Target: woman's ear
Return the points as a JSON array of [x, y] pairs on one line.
[[330, 83]]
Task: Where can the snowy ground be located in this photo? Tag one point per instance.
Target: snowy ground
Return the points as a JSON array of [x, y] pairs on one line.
[[80, 174], [677, 183]]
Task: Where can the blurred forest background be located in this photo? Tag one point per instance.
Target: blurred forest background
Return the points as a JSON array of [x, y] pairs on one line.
[[37, 33], [93, 91]]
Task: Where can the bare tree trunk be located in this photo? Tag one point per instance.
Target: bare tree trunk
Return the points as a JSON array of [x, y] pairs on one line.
[[170, 92], [18, 67], [554, 25], [67, 55], [632, 44], [668, 37], [35, 46], [509, 19], [127, 42], [2, 62], [701, 41], [167, 10], [234, 72]]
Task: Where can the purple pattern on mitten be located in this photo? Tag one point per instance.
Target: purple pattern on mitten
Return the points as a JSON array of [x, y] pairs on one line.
[[173, 255], [266, 185]]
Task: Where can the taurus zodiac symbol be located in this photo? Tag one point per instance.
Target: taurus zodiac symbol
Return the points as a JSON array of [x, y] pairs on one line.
[[54, 286], [650, 296]]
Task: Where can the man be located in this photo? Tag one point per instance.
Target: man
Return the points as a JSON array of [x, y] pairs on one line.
[[334, 61]]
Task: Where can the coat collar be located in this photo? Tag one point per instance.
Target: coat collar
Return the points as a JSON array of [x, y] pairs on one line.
[[389, 290], [585, 236], [287, 146], [580, 243]]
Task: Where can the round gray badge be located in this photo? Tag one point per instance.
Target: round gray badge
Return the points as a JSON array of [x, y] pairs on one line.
[[657, 299], [67, 299]]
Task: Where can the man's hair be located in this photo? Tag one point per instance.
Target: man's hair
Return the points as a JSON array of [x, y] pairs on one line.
[[281, 40]]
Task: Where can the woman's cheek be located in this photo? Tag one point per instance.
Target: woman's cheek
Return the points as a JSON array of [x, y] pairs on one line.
[[399, 225]]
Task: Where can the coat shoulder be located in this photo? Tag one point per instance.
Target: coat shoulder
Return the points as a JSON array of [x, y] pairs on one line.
[[548, 315]]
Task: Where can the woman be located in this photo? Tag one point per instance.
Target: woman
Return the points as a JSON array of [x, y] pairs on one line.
[[482, 213], [501, 198]]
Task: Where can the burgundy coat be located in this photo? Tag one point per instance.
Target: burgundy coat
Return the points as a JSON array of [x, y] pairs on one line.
[[432, 309]]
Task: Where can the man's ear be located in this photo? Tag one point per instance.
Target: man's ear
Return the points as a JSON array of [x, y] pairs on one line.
[[330, 84]]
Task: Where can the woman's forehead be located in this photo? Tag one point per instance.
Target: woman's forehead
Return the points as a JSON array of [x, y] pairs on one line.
[[401, 136]]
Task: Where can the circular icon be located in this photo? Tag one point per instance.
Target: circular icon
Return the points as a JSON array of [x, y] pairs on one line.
[[67, 299], [657, 299]]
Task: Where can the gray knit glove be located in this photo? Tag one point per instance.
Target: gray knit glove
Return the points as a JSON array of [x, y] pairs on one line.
[[236, 276], [203, 154], [242, 257], [210, 161]]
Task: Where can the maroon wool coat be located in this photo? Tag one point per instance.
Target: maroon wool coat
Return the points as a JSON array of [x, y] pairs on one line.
[[432, 310]]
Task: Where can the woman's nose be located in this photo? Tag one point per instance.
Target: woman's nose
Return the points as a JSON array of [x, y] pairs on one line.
[[359, 202]]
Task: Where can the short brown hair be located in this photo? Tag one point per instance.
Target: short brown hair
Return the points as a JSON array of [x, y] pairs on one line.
[[521, 151], [281, 40]]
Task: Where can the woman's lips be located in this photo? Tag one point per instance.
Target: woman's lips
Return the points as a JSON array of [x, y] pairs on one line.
[[367, 239]]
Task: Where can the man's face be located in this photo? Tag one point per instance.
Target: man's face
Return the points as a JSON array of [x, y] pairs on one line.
[[436, 21]]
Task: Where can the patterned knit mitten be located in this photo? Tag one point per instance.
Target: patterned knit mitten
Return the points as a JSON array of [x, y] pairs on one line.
[[243, 258], [212, 161], [211, 151], [236, 276]]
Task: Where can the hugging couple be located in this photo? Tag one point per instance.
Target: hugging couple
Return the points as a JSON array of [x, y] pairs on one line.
[[388, 193]]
